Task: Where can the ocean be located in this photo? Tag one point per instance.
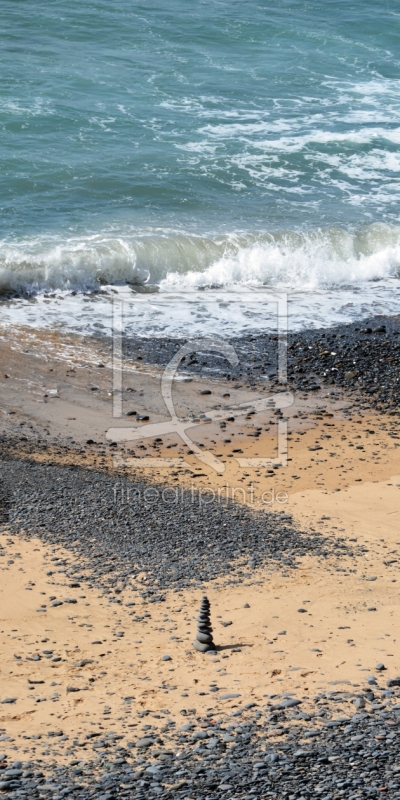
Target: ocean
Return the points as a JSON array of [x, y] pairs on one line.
[[219, 152]]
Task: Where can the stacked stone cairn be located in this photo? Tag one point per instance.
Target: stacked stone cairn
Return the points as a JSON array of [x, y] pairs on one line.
[[204, 640]]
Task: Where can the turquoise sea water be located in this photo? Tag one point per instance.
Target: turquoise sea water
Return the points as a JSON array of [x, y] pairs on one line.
[[200, 145]]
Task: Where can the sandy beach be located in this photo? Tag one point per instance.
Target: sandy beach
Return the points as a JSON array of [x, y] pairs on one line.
[[88, 654]]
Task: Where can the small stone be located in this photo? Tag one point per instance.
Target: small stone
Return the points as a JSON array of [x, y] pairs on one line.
[[212, 743], [291, 702], [145, 742], [166, 658], [202, 647], [8, 700], [227, 737], [272, 758], [393, 682], [380, 667]]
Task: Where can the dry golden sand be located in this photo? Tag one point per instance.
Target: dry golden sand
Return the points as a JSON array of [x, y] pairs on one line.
[[269, 647]]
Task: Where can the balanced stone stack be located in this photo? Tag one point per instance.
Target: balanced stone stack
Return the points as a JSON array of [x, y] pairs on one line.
[[204, 640]]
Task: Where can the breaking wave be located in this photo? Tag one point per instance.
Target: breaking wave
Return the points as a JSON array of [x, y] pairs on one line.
[[297, 261]]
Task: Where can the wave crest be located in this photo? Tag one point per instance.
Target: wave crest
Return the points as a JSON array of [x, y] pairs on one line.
[[290, 260]]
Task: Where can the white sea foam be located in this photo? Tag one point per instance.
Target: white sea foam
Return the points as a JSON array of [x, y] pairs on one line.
[[223, 284], [225, 312], [289, 260], [307, 268], [37, 107]]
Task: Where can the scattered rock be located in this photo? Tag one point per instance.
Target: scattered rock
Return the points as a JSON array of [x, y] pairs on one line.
[[291, 702], [393, 682], [145, 742]]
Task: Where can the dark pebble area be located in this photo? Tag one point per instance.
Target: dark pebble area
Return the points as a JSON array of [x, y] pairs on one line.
[[362, 358], [355, 756], [116, 532], [179, 546]]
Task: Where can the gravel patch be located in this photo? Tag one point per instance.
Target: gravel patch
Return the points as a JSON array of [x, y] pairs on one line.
[[255, 753], [362, 358], [121, 528]]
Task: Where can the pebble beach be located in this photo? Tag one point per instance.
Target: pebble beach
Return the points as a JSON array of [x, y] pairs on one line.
[[104, 565]]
